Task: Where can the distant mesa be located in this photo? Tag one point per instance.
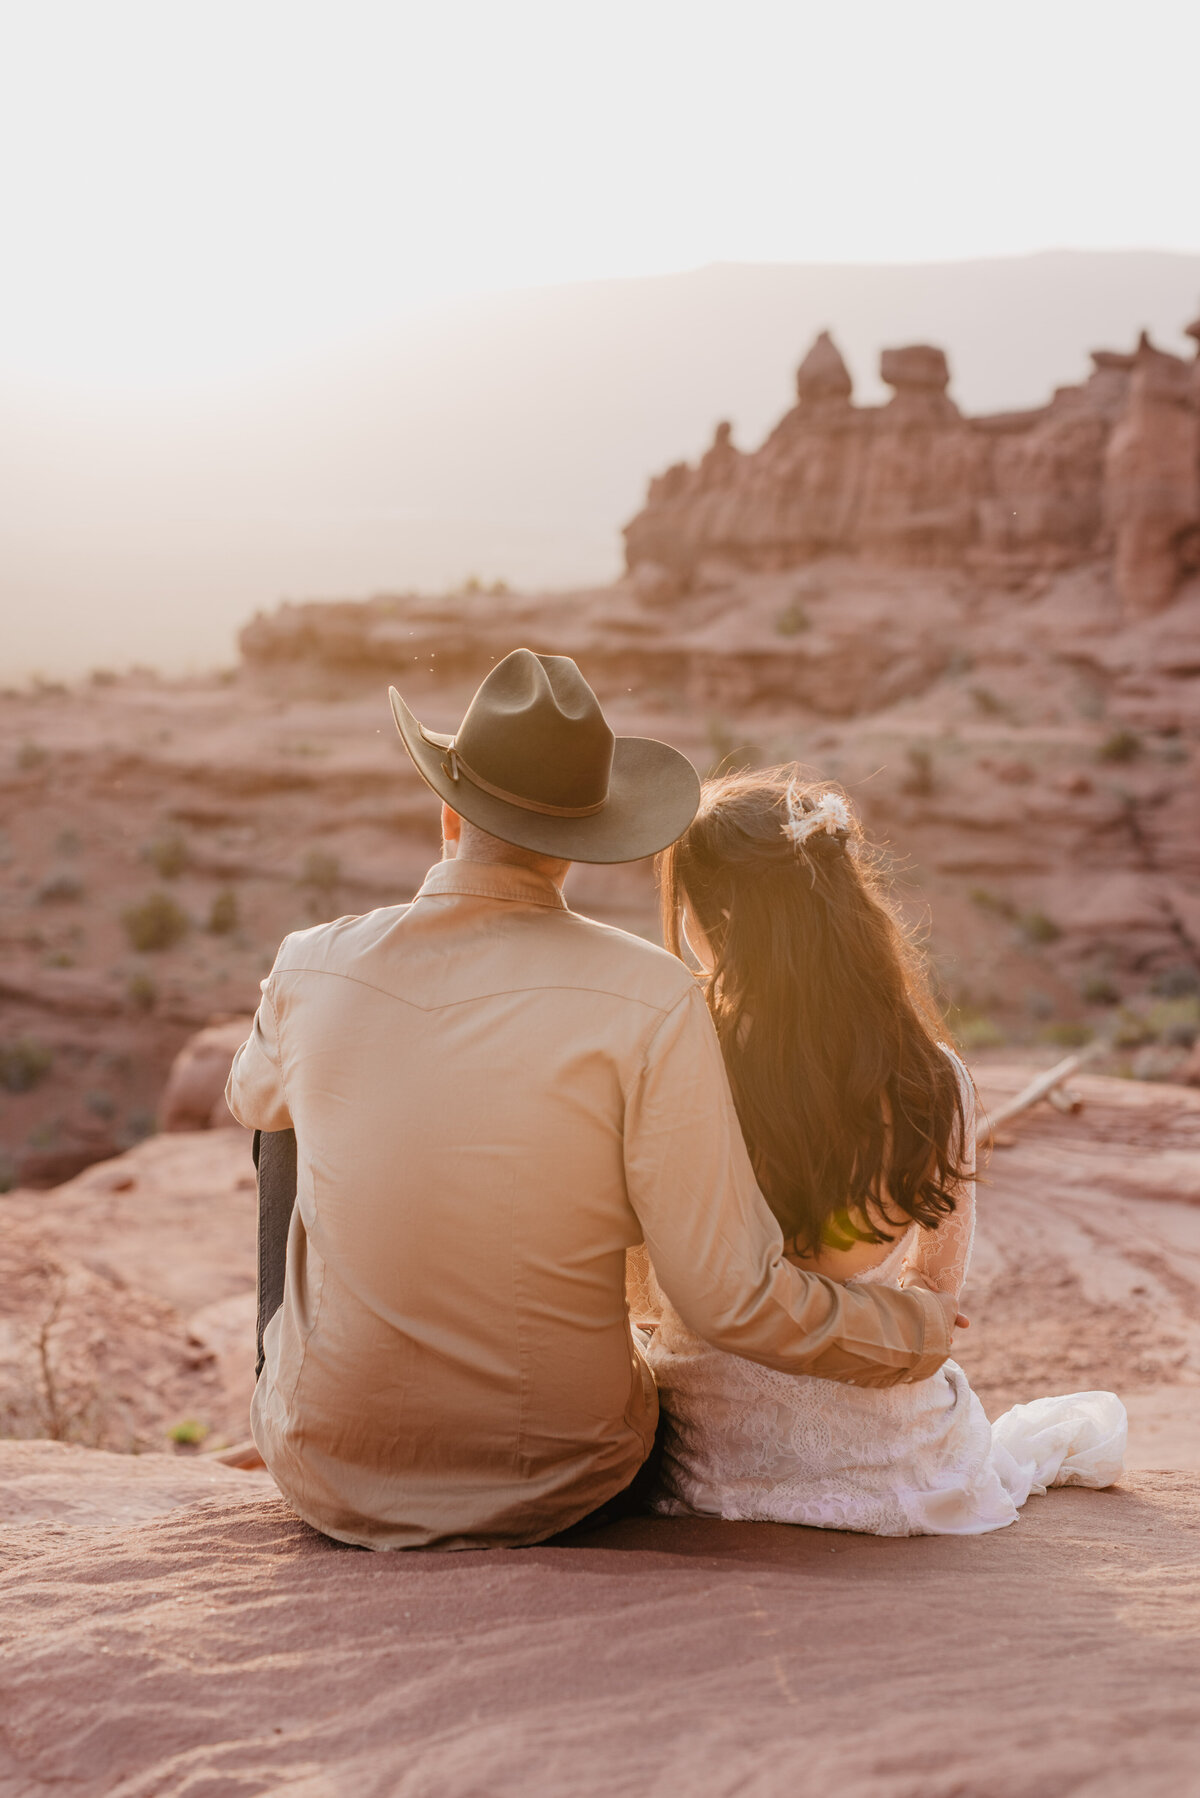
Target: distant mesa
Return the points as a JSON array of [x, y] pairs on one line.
[[1108, 471]]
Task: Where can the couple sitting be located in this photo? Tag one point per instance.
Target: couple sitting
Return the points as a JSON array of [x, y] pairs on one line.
[[495, 1099]]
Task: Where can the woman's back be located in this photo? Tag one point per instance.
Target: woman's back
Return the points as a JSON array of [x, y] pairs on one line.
[[861, 1126]]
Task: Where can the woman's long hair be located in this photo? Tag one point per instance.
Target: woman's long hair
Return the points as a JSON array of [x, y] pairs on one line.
[[851, 1112]]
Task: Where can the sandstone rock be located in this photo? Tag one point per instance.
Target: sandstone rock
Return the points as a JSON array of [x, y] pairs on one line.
[[823, 376], [914, 482], [1152, 480], [655, 584], [194, 1096]]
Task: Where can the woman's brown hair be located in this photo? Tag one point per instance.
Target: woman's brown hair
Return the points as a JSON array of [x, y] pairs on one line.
[[851, 1112]]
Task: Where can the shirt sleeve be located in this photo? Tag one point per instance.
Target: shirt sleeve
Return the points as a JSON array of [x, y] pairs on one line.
[[717, 1249], [254, 1091]]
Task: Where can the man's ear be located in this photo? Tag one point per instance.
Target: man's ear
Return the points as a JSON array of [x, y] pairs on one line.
[[451, 831]]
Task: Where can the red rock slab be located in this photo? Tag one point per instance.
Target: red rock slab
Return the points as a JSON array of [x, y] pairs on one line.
[[226, 1648]]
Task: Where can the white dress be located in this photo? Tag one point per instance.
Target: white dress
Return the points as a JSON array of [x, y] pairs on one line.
[[745, 1441]]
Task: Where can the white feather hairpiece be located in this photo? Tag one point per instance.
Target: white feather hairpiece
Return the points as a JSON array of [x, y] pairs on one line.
[[830, 814]]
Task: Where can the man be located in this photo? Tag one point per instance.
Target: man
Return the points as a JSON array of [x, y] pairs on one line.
[[493, 1099]]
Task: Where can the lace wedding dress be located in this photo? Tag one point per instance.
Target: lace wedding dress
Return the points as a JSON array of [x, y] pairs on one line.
[[745, 1441]]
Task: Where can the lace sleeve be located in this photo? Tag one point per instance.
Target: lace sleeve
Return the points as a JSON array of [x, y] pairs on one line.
[[940, 1258]]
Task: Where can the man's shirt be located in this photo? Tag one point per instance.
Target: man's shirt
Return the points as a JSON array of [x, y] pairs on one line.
[[493, 1099]]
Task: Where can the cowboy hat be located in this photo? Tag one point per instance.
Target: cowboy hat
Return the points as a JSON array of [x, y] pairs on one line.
[[535, 763]]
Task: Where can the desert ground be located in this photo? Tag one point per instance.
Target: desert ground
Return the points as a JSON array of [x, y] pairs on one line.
[[169, 1627]]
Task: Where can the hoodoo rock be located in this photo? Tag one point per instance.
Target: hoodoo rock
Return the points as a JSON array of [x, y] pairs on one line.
[[1109, 469], [1152, 479]]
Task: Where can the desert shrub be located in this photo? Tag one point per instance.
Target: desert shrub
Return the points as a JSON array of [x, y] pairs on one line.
[[138, 1126], [8, 1171], [141, 991], [103, 677], [990, 901], [918, 782], [729, 753], [100, 1104], [1175, 1021], [24, 1064], [31, 755], [1066, 1033], [1098, 989], [58, 958], [168, 855], [156, 923], [223, 912], [793, 619], [974, 1030], [67, 842], [1120, 746], [1036, 927], [988, 702], [321, 871], [189, 1432], [1038, 1003], [63, 888], [1182, 982], [1130, 1029]]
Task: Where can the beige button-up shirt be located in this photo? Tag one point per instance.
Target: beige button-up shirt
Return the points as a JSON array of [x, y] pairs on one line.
[[493, 1099]]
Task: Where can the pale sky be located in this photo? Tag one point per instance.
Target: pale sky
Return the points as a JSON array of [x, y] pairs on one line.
[[189, 193]]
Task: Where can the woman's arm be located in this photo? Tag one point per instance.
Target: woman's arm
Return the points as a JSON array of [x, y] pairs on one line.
[[938, 1259]]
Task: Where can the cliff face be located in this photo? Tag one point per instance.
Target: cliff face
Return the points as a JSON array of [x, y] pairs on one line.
[[1109, 469]]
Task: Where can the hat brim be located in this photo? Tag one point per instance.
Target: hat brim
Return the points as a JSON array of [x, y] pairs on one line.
[[653, 793]]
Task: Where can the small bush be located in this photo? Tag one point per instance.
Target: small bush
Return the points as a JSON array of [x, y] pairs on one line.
[[58, 958], [24, 1064], [30, 756], [63, 888], [1130, 1030], [8, 1171], [793, 619], [974, 1031], [67, 842], [223, 913], [155, 924], [988, 702], [918, 782], [1065, 1033], [138, 1126], [142, 992], [168, 856], [1036, 927], [1121, 746], [189, 1432], [987, 900], [103, 677], [1181, 982], [1175, 1021], [100, 1104], [1098, 989], [321, 871]]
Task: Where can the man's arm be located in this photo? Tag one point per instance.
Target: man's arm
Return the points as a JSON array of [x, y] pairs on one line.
[[254, 1091], [717, 1249]]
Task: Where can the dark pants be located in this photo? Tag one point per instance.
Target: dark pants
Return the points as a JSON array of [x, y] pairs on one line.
[[275, 1160]]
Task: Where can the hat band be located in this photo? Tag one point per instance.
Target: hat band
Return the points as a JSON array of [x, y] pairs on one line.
[[455, 766]]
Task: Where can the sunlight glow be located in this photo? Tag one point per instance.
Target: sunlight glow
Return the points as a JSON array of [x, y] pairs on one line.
[[191, 193]]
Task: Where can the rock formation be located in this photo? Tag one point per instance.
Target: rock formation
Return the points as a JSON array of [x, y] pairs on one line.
[[1108, 469]]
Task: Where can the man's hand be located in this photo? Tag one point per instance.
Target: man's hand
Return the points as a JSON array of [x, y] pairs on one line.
[[911, 1279]]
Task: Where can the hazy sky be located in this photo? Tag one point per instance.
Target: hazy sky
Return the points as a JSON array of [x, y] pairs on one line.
[[189, 192]]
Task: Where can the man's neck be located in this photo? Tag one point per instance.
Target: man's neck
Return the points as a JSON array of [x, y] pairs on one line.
[[478, 847]]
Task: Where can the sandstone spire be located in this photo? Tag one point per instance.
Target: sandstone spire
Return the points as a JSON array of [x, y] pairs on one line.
[[823, 375]]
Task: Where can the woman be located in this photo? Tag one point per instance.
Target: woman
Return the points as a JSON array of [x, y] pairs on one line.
[[861, 1128]]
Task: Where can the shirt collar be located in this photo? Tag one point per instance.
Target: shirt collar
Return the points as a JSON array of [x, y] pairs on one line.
[[492, 880]]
